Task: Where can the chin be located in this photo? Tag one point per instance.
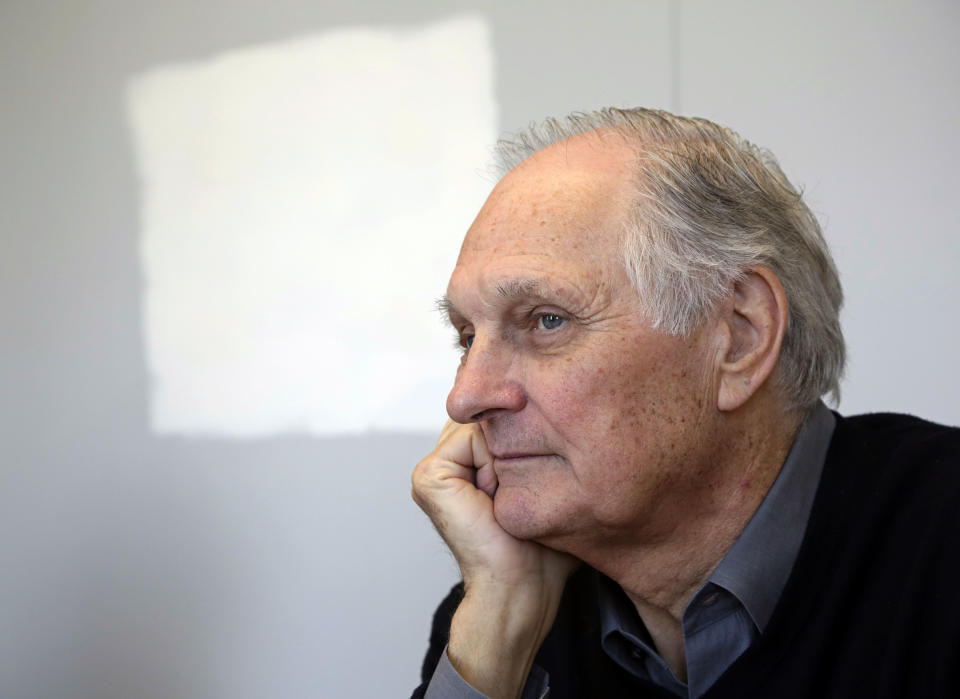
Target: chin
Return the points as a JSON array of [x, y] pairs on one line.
[[521, 514]]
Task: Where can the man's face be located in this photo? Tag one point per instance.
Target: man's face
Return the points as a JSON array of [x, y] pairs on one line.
[[598, 423]]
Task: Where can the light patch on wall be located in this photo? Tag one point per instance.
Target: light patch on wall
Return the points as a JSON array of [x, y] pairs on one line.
[[302, 207]]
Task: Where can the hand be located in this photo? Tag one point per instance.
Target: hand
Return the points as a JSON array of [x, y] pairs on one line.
[[513, 587], [455, 485]]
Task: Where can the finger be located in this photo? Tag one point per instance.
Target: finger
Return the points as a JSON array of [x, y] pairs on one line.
[[486, 477], [448, 428], [478, 446], [458, 461], [453, 462], [487, 480]]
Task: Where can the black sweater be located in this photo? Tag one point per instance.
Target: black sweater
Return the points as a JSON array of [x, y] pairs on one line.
[[871, 609]]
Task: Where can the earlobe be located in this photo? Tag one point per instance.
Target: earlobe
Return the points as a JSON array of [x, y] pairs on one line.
[[755, 320]]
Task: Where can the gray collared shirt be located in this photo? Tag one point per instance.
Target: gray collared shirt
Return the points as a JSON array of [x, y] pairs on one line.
[[735, 604], [730, 610]]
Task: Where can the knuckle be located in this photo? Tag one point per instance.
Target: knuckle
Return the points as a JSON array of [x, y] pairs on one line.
[[416, 479], [421, 475], [416, 496]]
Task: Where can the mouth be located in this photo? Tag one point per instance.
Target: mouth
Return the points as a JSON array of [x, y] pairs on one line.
[[516, 457]]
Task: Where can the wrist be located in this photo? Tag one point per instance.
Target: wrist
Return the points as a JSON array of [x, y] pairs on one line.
[[496, 633]]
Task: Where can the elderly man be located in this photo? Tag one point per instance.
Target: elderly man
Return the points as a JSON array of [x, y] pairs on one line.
[[642, 489]]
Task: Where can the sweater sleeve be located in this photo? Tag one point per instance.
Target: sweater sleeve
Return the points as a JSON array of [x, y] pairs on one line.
[[447, 683]]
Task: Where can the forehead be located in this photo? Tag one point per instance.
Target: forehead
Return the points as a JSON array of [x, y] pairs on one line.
[[555, 220]]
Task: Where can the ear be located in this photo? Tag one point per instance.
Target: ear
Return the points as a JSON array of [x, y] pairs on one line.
[[755, 320]]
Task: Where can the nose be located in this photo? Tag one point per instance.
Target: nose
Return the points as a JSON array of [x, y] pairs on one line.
[[484, 387]]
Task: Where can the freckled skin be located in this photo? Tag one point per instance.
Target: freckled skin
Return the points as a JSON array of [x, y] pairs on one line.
[[598, 437], [622, 417]]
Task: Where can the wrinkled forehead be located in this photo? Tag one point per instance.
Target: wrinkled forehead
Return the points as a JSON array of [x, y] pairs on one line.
[[573, 193], [556, 222]]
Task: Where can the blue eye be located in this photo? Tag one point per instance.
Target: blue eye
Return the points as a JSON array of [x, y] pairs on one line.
[[467, 341], [550, 321]]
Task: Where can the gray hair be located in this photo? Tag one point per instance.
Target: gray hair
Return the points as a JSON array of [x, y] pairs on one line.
[[710, 206]]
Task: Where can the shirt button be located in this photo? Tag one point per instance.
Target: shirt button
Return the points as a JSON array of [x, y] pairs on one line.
[[709, 599]]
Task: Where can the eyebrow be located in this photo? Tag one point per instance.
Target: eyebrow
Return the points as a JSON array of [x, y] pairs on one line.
[[508, 289], [447, 309], [514, 288]]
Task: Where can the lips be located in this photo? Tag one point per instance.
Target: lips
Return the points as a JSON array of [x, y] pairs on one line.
[[518, 455]]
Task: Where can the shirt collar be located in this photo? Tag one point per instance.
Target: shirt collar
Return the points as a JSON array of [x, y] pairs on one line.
[[757, 566]]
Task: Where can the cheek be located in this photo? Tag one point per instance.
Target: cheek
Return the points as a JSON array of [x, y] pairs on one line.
[[643, 402], [573, 400], [592, 406]]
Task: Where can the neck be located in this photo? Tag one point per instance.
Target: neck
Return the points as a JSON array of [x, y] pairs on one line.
[[661, 573]]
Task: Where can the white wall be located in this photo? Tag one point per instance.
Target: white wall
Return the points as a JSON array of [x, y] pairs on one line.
[[139, 565], [860, 103]]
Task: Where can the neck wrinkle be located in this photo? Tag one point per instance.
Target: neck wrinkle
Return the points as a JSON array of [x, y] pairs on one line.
[[661, 577]]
